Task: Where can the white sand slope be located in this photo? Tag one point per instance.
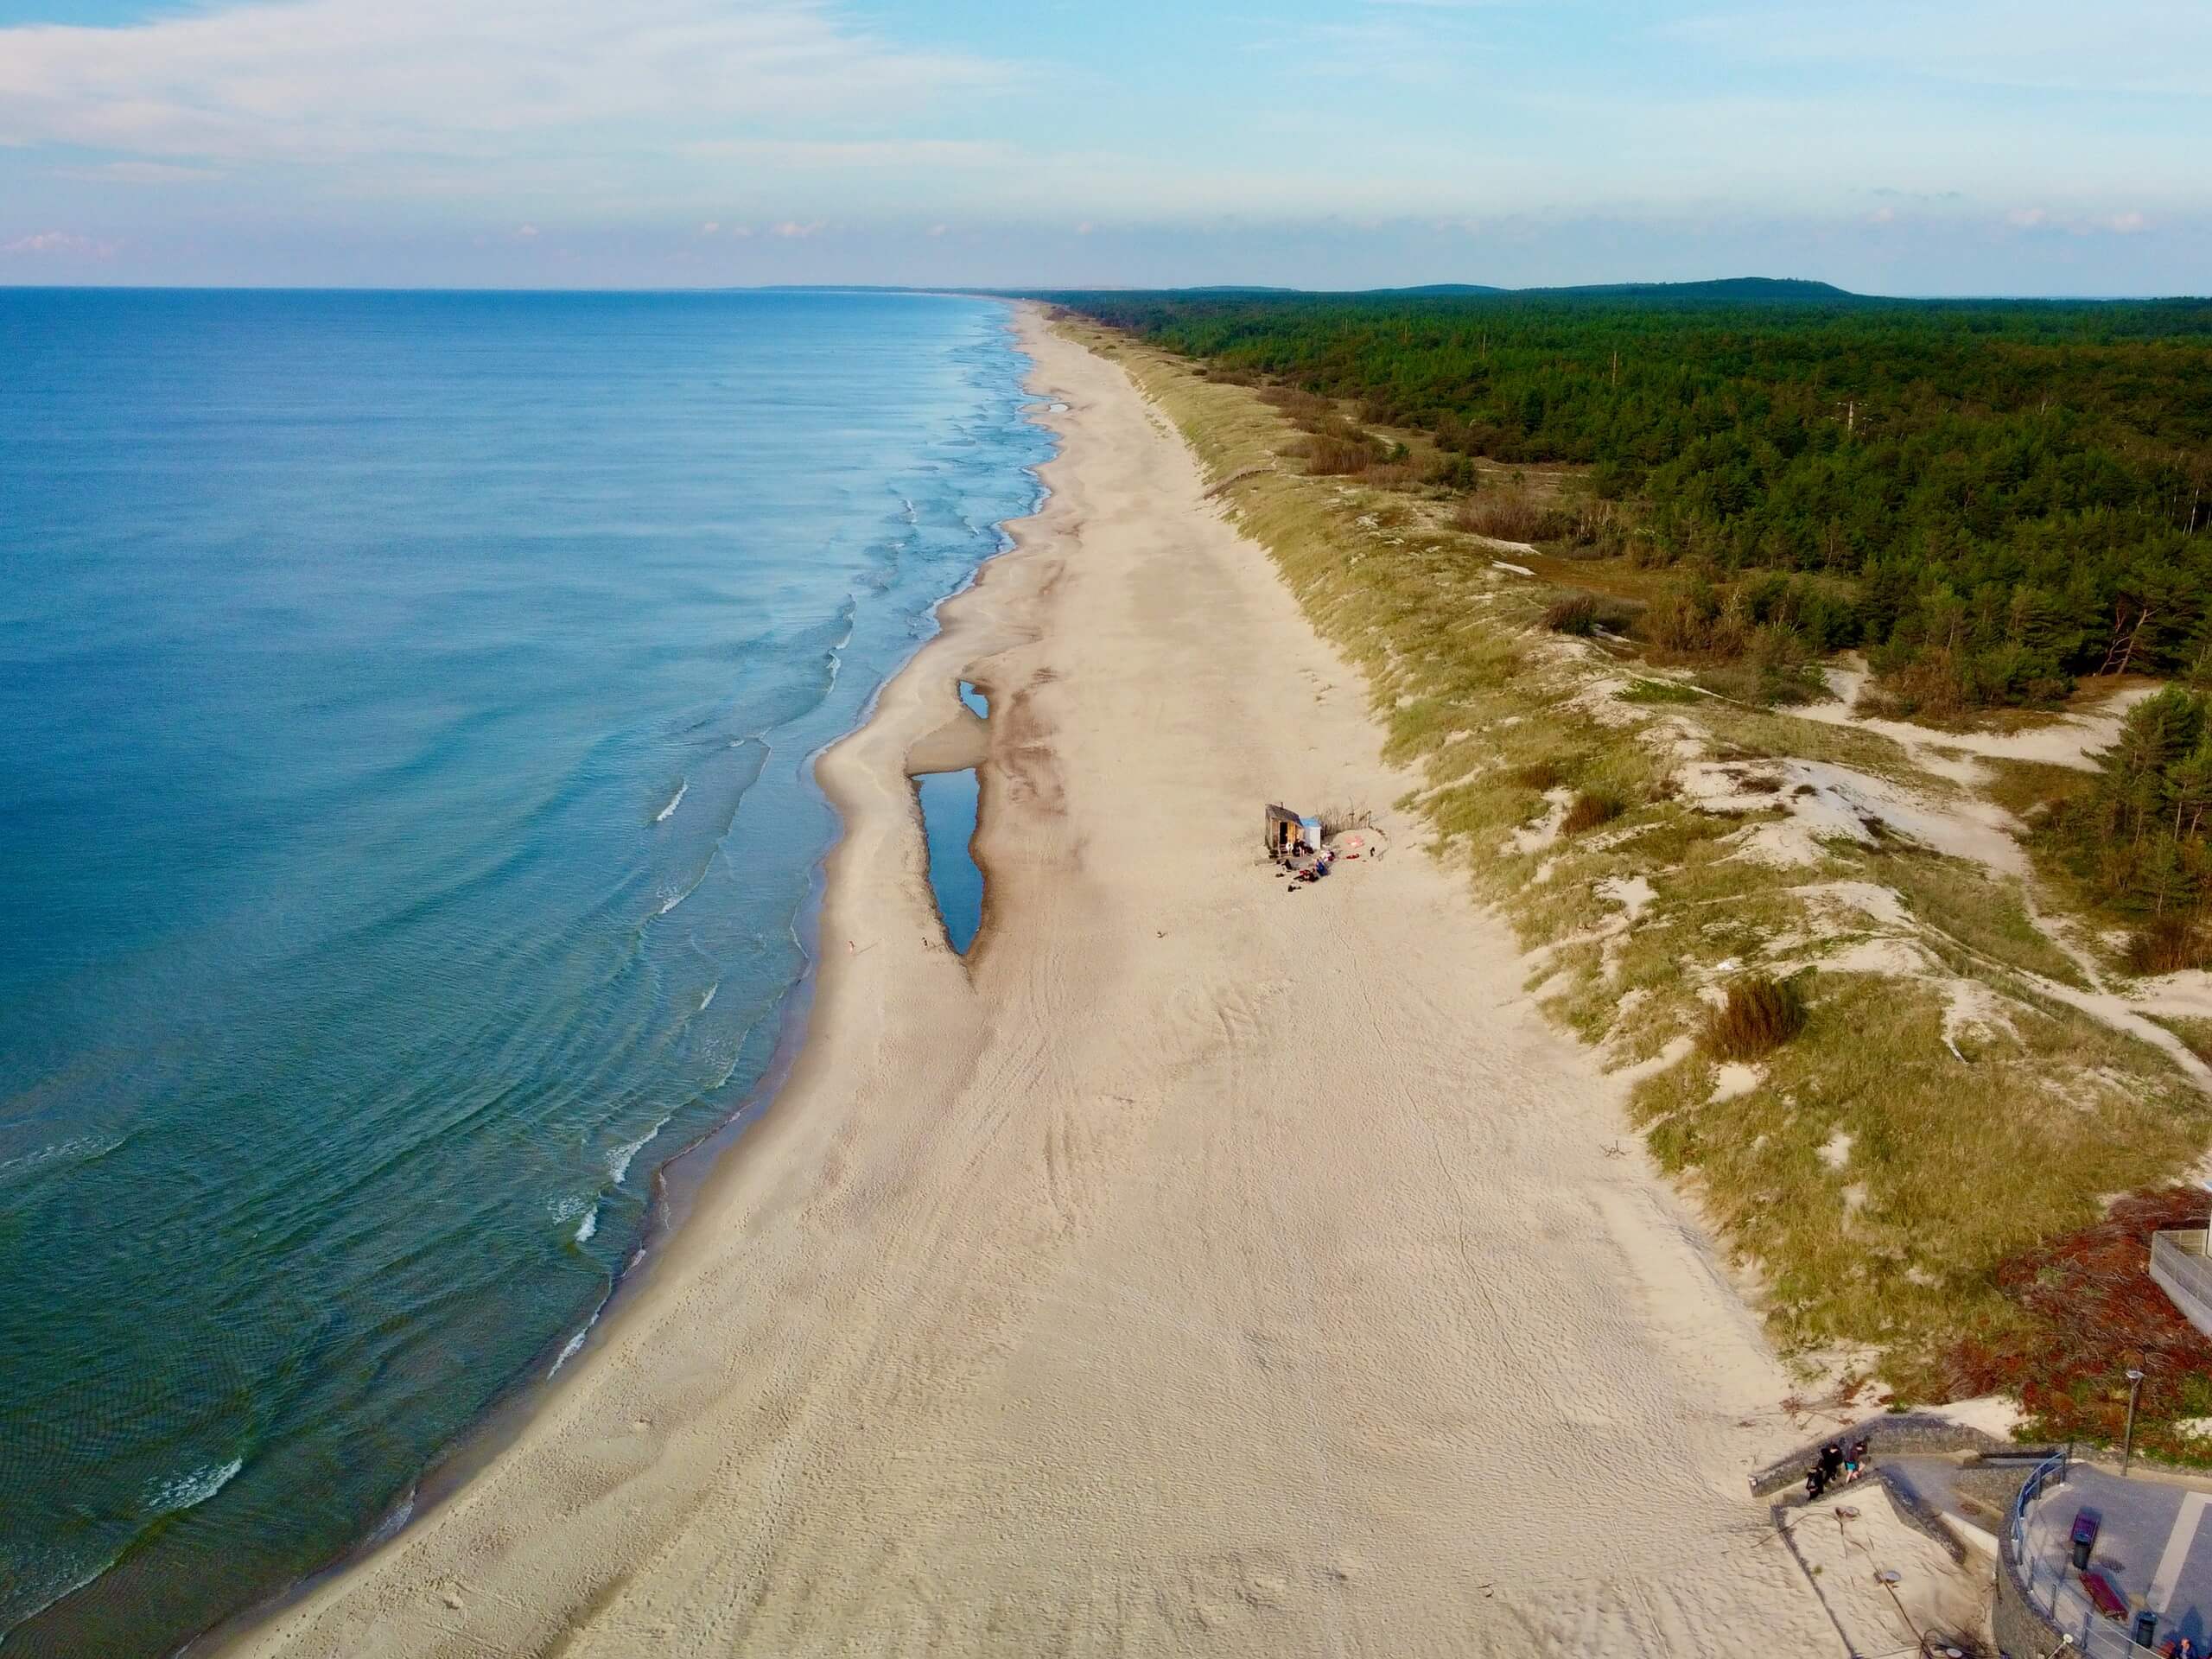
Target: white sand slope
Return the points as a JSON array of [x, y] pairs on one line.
[[1215, 1271]]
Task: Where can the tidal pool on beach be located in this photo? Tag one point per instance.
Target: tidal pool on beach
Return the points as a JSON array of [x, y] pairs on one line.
[[948, 806]]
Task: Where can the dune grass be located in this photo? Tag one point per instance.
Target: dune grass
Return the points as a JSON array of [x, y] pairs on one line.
[[1935, 1113], [1975, 910]]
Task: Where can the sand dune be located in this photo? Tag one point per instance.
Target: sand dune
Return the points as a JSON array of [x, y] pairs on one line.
[[1199, 1269]]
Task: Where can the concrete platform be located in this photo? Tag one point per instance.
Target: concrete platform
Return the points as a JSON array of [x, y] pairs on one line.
[[2152, 1546]]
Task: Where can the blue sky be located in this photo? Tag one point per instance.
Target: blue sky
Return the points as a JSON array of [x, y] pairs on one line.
[[1899, 146]]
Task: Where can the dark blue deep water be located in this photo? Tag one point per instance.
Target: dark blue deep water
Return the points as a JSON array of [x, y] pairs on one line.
[[406, 831]]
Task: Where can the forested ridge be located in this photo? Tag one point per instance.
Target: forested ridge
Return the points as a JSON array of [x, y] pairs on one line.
[[1991, 497]]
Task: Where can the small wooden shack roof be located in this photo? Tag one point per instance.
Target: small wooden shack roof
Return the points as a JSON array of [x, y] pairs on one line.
[[1283, 815]]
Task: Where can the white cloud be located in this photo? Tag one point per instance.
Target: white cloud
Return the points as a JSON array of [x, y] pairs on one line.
[[2038, 218], [318, 82], [59, 242]]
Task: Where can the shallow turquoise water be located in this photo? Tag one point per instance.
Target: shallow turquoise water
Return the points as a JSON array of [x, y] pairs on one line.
[[409, 828]]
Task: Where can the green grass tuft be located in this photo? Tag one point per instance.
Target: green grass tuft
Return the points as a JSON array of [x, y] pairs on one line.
[[1659, 691]]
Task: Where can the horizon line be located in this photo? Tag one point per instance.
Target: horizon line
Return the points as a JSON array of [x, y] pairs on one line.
[[1450, 290]]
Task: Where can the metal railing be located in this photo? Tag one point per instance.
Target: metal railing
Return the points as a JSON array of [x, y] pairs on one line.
[[2049, 1585], [2179, 1265]]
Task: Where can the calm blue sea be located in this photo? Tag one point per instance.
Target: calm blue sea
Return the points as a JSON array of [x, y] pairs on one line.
[[406, 830]]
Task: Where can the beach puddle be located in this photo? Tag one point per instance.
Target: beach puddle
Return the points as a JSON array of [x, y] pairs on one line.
[[949, 824], [949, 804]]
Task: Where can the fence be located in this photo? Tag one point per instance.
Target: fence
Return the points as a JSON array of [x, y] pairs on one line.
[[2044, 1581], [2179, 1264]]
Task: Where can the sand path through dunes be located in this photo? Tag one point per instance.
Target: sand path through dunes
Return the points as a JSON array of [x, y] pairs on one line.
[[1201, 1269]]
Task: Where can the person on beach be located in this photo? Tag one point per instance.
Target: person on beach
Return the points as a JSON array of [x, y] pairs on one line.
[[1816, 1484]]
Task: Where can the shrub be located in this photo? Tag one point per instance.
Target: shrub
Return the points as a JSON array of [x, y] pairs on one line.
[[1772, 669], [1390, 475], [1576, 613], [1589, 614], [1306, 409], [1591, 808], [2081, 1308], [1538, 775], [1513, 516], [1658, 691], [1693, 619], [1455, 472], [1760, 1015], [2167, 944], [1327, 453]]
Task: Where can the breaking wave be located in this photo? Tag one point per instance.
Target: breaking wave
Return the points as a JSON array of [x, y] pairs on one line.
[[182, 1492], [617, 1160]]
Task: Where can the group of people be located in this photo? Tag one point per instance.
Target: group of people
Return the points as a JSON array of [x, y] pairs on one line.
[[1836, 1467]]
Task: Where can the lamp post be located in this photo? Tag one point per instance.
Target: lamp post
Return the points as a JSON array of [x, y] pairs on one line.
[[2134, 1393]]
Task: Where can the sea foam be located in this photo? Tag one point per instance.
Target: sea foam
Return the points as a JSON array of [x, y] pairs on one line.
[[81, 1148], [182, 1492], [617, 1160]]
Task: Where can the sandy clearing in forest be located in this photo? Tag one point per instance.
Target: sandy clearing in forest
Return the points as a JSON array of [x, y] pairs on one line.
[[2067, 741]]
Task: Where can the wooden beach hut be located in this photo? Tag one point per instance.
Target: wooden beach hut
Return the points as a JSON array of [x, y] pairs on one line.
[[1289, 831]]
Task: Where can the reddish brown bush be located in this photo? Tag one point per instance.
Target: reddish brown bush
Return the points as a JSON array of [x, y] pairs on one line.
[[1307, 409], [1591, 808], [1576, 613], [1390, 474], [1759, 1016], [1515, 515], [1506, 516], [2084, 1309], [1326, 452]]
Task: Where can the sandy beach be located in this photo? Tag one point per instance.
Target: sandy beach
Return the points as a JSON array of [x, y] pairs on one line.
[[1197, 1268]]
